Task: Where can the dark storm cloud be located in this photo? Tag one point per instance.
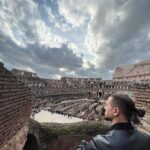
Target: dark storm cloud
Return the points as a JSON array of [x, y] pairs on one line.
[[62, 57], [38, 57], [127, 38], [137, 21]]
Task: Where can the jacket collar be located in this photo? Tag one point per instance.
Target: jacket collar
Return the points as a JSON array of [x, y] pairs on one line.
[[122, 126]]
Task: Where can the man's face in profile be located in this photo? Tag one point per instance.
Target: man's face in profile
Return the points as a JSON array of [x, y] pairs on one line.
[[108, 114]]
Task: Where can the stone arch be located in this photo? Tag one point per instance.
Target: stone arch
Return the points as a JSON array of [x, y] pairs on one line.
[[99, 93], [31, 143]]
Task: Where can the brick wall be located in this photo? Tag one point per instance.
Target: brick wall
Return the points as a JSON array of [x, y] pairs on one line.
[[15, 105]]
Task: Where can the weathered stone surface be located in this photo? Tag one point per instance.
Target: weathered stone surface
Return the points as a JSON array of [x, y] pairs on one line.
[[139, 71], [56, 136], [17, 142]]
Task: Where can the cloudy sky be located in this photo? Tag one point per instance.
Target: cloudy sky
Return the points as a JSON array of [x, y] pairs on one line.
[[77, 38]]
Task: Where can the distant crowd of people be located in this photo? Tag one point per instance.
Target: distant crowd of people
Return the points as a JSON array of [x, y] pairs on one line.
[[60, 113], [35, 111]]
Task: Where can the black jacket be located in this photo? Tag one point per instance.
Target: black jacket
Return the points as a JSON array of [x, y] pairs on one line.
[[121, 137]]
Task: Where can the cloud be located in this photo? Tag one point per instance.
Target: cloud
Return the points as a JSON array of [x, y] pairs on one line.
[[26, 41], [119, 43], [69, 10], [42, 35], [61, 57], [57, 21], [22, 23], [33, 55], [116, 30], [71, 38], [14, 18]]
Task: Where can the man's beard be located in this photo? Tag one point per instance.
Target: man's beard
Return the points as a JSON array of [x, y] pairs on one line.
[[107, 118], [103, 114]]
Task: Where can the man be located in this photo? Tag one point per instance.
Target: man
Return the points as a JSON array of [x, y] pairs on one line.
[[121, 111]]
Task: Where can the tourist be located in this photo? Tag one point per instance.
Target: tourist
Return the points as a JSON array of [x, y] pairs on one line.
[[121, 111]]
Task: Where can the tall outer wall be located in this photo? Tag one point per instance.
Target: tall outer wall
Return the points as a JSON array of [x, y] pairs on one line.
[[15, 108]]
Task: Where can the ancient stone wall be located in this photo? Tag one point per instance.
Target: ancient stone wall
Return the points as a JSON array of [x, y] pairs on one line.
[[139, 71], [91, 110], [24, 73], [69, 88], [142, 100], [56, 136], [75, 88], [17, 142], [15, 107]]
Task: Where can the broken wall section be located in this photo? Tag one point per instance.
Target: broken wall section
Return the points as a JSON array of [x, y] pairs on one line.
[[15, 108]]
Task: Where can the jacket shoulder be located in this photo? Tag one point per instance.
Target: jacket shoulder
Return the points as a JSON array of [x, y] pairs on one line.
[[142, 135], [103, 140]]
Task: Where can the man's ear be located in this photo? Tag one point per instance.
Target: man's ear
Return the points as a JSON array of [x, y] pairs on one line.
[[116, 111]]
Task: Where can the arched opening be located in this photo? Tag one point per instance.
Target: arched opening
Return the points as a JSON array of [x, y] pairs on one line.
[[100, 94], [89, 93], [31, 143]]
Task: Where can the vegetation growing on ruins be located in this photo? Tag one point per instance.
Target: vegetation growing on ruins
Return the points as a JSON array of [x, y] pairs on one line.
[[49, 132]]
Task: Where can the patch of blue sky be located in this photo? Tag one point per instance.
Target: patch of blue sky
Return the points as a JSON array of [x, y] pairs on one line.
[[52, 4], [18, 36]]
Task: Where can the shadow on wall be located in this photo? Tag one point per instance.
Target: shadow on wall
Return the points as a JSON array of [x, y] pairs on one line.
[[31, 143], [63, 142]]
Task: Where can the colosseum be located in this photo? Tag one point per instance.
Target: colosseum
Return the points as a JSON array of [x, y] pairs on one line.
[[24, 93], [139, 71]]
